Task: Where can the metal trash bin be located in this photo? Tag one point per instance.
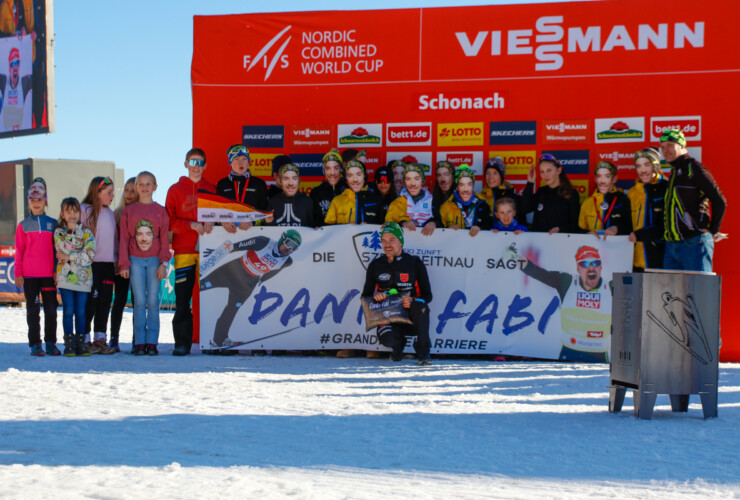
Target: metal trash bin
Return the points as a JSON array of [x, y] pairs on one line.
[[665, 340]]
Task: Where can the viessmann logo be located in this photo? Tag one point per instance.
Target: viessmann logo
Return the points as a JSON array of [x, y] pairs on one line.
[[312, 136], [566, 131], [551, 38]]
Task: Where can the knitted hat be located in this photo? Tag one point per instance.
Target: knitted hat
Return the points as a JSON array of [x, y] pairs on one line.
[[415, 167], [278, 162], [497, 163], [332, 155], [464, 170], [673, 135], [144, 223], [394, 229], [445, 164], [236, 151], [289, 167], [607, 165], [652, 155], [355, 164], [396, 163], [587, 253]]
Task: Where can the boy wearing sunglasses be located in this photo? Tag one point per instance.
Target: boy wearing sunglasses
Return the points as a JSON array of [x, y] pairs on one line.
[[182, 207], [585, 304]]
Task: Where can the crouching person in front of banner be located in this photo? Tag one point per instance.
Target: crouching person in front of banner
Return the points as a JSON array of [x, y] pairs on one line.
[[404, 273], [262, 259]]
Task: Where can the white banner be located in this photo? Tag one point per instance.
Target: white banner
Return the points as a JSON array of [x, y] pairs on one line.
[[493, 293]]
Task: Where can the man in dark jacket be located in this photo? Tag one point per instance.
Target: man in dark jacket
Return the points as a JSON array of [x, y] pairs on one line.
[[291, 207], [694, 208], [397, 271]]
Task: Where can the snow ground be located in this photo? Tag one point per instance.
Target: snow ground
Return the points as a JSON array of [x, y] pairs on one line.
[[315, 427]]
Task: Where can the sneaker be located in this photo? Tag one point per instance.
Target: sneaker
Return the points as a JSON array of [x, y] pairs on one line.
[[151, 349], [180, 351], [103, 347], [92, 348], [37, 350], [140, 350], [114, 345], [52, 349]]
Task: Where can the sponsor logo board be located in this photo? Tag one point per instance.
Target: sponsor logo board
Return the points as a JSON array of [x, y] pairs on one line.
[[260, 164], [309, 164], [460, 134], [566, 132], [423, 157], [473, 158], [514, 133], [517, 162], [360, 136], [311, 136], [573, 161], [580, 185], [408, 134], [630, 129], [623, 158], [263, 136], [689, 125]]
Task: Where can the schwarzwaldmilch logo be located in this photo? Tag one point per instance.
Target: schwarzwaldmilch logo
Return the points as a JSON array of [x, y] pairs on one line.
[[620, 129], [359, 135]]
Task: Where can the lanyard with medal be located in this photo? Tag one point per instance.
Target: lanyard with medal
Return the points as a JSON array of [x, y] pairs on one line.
[[244, 191], [604, 205]]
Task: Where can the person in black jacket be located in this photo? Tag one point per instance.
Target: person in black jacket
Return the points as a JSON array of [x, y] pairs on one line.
[[291, 207], [332, 185], [241, 186], [277, 164], [647, 202], [495, 187], [397, 271], [556, 205], [694, 208]]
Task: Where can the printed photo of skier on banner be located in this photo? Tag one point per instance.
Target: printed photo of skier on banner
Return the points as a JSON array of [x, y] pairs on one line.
[[262, 259]]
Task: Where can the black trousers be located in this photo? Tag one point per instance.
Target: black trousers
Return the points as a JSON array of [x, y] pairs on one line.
[[32, 288], [119, 304], [98, 303], [182, 322], [240, 285], [394, 335]]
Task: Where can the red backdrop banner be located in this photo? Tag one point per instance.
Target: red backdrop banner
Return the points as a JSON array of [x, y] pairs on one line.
[[585, 80]]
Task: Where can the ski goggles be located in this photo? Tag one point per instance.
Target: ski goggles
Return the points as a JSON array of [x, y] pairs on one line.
[[590, 263], [196, 162], [548, 157], [105, 182], [291, 245], [236, 151], [15, 64]]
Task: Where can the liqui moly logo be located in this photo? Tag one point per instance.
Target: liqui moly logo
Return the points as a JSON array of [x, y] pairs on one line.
[[588, 300], [552, 38], [689, 125]]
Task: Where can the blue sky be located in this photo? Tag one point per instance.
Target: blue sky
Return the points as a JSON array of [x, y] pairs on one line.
[[123, 80]]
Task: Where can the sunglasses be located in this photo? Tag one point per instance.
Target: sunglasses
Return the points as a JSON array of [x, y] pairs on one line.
[[15, 64], [106, 181], [195, 162], [590, 263]]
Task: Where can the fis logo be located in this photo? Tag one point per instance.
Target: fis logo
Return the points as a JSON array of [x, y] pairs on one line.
[[588, 300], [269, 62]]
